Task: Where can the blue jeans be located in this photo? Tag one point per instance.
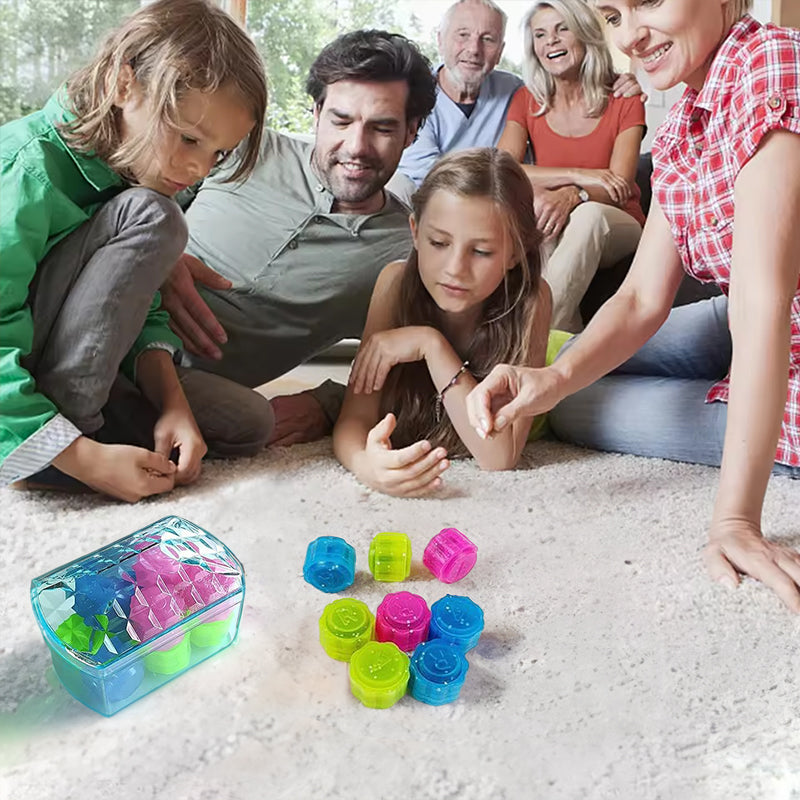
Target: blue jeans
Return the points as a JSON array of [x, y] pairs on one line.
[[654, 404]]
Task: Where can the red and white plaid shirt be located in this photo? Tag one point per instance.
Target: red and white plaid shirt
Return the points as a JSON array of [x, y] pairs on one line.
[[753, 87]]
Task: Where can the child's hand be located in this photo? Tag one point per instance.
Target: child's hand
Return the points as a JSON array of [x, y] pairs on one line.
[[411, 472], [176, 429], [378, 354], [120, 470]]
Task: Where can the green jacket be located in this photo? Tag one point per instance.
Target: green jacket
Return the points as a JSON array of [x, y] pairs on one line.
[[47, 190]]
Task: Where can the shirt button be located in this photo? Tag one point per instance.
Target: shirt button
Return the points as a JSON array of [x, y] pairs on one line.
[[318, 220], [293, 244], [698, 148], [713, 221], [774, 102], [319, 187], [354, 233]]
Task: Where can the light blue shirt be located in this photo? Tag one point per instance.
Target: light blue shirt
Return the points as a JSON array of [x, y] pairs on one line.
[[448, 128]]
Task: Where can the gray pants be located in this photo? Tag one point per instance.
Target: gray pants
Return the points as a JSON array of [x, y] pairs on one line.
[[90, 300]]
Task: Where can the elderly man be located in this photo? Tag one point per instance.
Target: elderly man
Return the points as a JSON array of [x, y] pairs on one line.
[[287, 260], [472, 96]]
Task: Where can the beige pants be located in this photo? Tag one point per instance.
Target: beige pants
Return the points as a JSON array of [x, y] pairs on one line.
[[596, 236]]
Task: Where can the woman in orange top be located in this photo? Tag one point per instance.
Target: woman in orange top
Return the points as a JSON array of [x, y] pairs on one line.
[[585, 146]]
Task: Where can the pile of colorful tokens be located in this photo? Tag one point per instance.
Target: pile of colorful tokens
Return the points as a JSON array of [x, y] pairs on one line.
[[405, 646]]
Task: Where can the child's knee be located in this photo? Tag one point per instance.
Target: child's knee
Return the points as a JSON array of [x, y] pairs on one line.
[[160, 213]]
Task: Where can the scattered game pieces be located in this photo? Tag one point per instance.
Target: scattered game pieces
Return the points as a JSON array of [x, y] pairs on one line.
[[438, 670], [450, 555], [402, 618], [458, 620], [390, 556], [378, 647], [345, 625], [379, 674], [330, 564]]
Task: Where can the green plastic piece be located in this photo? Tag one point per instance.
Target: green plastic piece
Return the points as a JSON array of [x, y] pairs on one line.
[[76, 634], [379, 674], [210, 634], [168, 662], [344, 627], [390, 557]]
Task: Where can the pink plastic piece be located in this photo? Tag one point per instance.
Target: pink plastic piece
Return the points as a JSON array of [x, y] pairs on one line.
[[152, 611], [154, 565], [402, 618], [450, 555]]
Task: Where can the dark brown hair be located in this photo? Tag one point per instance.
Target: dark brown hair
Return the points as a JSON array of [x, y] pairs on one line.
[[376, 56], [172, 46]]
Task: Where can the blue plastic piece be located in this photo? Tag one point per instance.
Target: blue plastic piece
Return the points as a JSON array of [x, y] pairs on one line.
[[438, 669], [458, 620], [96, 594], [330, 564]]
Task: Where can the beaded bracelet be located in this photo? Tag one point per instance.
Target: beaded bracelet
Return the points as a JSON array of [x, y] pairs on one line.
[[440, 395]]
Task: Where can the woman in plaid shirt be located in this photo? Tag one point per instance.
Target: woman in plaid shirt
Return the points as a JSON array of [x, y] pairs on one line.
[[720, 382]]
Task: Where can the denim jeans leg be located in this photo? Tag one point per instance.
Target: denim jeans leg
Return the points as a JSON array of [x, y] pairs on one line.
[[646, 416], [693, 342], [654, 404], [91, 296]]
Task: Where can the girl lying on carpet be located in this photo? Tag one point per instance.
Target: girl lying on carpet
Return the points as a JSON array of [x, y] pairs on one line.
[[469, 296], [720, 381], [89, 231]]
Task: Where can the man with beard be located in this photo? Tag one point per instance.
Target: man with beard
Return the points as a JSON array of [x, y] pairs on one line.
[[472, 97], [285, 262]]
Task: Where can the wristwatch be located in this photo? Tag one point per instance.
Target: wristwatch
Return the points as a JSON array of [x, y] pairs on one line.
[[583, 195]]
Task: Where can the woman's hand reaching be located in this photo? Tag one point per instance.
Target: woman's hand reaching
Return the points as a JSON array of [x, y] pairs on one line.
[[737, 546]]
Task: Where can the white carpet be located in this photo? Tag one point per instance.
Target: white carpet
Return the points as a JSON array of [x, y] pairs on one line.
[[610, 666]]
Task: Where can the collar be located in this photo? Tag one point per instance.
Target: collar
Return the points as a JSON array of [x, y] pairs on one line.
[[99, 174], [708, 96]]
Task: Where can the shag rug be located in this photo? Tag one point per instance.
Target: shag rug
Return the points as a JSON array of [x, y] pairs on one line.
[[610, 666]]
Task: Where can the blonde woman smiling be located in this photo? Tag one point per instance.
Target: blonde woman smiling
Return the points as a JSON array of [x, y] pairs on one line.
[[585, 146]]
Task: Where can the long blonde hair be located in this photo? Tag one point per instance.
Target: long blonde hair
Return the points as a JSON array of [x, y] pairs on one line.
[[503, 333], [172, 46], [597, 70]]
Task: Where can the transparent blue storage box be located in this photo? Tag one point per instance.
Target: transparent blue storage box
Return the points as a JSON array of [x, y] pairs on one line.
[[129, 617]]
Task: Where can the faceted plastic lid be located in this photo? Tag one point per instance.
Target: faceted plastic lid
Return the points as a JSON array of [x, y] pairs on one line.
[[102, 605]]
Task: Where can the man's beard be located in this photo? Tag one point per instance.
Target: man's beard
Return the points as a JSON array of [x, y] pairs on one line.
[[349, 190]]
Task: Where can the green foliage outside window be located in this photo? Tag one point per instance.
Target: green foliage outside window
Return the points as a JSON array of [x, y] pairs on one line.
[[42, 41]]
